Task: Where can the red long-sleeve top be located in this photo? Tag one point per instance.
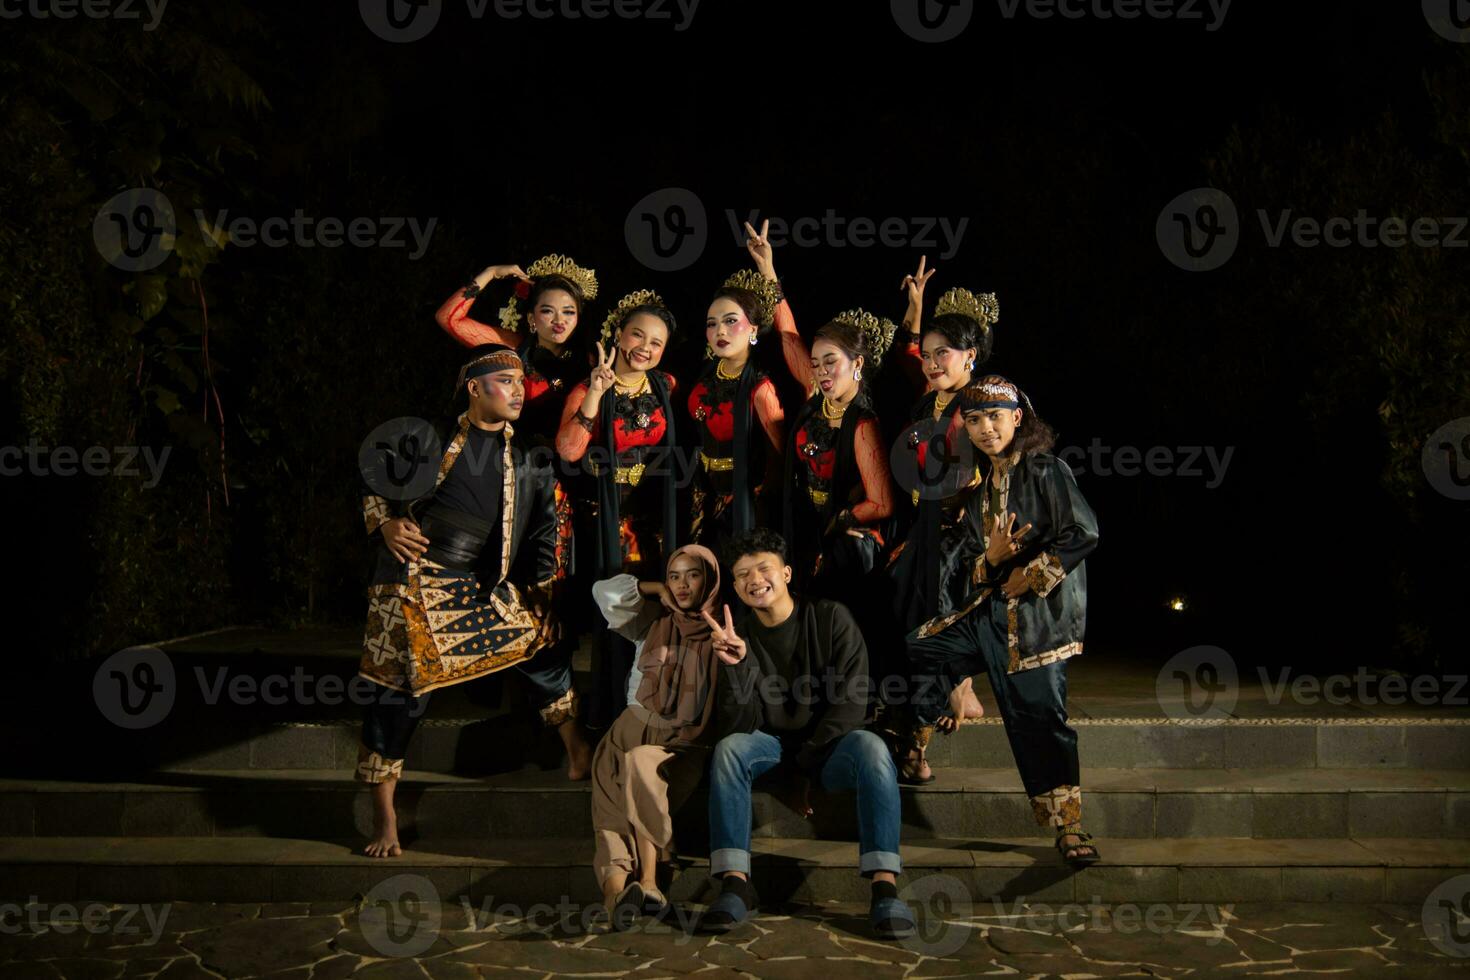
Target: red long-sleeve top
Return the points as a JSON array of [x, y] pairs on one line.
[[629, 433], [548, 376], [816, 440]]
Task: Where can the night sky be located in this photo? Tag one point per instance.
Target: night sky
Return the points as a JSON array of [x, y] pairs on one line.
[[1055, 143]]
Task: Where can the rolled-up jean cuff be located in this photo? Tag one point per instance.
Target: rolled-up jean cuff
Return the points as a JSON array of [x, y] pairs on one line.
[[729, 859], [876, 861]]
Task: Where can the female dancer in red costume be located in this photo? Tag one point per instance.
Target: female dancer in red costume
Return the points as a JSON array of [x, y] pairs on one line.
[[623, 413], [942, 357], [837, 490], [539, 322], [732, 392]]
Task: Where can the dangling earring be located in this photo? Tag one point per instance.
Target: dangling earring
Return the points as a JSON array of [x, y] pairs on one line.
[[970, 365], [709, 352], [754, 340], [857, 374]]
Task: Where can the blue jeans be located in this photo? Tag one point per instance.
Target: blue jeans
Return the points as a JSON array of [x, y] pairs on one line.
[[860, 762]]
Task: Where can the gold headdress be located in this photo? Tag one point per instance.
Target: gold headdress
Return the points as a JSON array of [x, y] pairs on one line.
[[877, 333], [549, 265], [983, 307], [767, 293], [636, 298]]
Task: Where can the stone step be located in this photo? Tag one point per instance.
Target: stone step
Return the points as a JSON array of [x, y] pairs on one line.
[[510, 741], [1118, 803], [493, 872]]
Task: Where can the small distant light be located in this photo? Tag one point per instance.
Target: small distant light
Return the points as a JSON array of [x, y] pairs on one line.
[[1177, 603]]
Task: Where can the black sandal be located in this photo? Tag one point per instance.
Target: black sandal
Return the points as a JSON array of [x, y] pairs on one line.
[[1084, 843], [911, 779]]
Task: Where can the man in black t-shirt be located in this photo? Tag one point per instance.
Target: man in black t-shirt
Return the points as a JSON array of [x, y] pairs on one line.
[[802, 663]]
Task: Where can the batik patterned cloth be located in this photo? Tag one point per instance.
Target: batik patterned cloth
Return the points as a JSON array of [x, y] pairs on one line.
[[436, 626], [443, 631]]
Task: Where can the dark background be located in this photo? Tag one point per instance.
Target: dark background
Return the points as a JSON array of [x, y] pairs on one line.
[[1061, 141]]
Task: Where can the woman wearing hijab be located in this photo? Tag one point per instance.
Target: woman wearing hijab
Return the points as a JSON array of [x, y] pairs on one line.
[[652, 756]]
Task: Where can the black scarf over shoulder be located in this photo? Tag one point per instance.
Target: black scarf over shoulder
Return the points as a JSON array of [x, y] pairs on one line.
[[925, 532], [610, 544], [845, 473]]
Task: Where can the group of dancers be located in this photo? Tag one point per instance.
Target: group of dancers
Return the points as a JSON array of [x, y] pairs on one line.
[[788, 609]]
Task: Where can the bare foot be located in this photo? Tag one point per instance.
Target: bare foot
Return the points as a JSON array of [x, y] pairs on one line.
[[385, 822], [973, 708], [579, 751], [963, 690]]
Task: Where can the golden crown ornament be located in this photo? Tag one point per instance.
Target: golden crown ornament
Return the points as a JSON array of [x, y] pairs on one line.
[[983, 308], [638, 297]]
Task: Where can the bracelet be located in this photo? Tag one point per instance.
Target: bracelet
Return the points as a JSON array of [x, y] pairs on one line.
[[472, 290], [583, 420]]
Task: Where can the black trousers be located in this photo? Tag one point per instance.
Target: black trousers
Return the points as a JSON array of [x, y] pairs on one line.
[[1033, 704], [392, 717]]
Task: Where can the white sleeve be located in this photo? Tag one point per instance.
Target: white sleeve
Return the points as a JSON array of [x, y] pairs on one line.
[[628, 612]]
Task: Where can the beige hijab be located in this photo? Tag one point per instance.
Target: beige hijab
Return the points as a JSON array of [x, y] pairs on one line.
[[678, 659]]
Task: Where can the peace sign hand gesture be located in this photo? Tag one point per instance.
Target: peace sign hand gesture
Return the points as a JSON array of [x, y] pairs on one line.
[[729, 647], [759, 247], [916, 281], [1005, 542], [602, 377]]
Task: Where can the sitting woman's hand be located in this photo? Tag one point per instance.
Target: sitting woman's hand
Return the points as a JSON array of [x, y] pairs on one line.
[[659, 591]]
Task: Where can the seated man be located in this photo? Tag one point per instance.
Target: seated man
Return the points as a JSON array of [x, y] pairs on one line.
[[804, 661]]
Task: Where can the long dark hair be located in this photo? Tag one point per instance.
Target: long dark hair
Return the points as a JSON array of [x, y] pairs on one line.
[[1033, 435], [847, 338], [961, 332], [545, 284], [749, 304]]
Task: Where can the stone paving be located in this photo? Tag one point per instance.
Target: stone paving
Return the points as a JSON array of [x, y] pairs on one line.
[[183, 941]]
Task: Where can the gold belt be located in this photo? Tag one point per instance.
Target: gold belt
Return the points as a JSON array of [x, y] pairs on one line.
[[715, 465], [623, 474], [819, 497]]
